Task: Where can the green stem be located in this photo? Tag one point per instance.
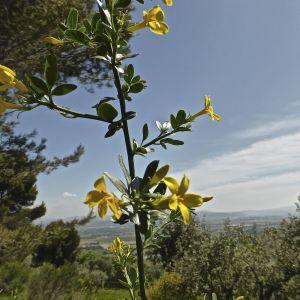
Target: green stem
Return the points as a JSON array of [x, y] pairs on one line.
[[160, 137], [130, 155], [76, 114]]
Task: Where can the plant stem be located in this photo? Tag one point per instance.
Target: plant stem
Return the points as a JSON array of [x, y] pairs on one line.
[[75, 114], [130, 155], [160, 137]]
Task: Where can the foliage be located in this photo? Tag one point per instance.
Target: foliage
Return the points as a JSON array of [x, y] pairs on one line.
[[49, 282], [58, 244], [21, 161], [13, 276], [23, 26], [17, 244], [168, 286], [143, 199], [235, 262]]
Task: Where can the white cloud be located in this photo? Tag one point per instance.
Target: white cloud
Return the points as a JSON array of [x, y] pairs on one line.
[[263, 175], [270, 128], [65, 209], [69, 195]]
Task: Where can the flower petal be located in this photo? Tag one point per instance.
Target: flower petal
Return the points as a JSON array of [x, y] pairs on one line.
[[207, 101], [161, 203], [4, 105], [160, 28], [184, 185], [159, 175], [173, 202], [172, 184], [168, 2], [216, 117], [21, 86], [100, 184], [102, 208], [114, 207], [156, 14], [4, 68], [4, 87], [92, 198], [185, 212], [192, 200]]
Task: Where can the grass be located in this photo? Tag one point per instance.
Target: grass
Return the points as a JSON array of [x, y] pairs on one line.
[[108, 294]]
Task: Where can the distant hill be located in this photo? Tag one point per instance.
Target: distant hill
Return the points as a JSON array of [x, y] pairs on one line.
[[101, 232]]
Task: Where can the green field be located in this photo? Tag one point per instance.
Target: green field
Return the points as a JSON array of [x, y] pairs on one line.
[[106, 294]]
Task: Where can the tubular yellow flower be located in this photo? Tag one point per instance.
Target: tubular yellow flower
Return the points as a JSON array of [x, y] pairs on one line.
[[168, 2], [179, 198], [8, 80], [103, 199], [4, 105], [207, 110], [154, 19], [53, 41]]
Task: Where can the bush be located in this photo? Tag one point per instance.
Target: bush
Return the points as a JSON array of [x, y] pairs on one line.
[[13, 277], [49, 282], [168, 286]]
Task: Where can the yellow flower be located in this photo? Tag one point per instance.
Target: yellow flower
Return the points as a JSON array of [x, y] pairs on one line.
[[117, 246], [179, 198], [8, 80], [207, 110], [154, 19], [168, 2], [4, 105], [103, 199], [53, 40]]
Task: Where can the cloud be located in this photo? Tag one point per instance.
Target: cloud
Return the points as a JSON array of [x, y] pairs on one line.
[[69, 195], [270, 128], [262, 175]]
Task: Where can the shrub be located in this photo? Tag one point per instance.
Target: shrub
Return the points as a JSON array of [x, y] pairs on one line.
[[168, 286], [13, 276], [49, 282]]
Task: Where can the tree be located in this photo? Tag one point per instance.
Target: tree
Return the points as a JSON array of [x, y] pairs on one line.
[[21, 161], [58, 244], [24, 24]]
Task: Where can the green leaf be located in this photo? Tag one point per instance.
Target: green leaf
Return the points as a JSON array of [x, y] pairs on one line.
[[111, 132], [125, 284], [123, 3], [72, 19], [173, 122], [130, 72], [38, 85], [136, 79], [120, 185], [124, 169], [87, 25], [145, 132], [181, 117], [64, 89], [107, 112], [172, 142], [77, 36], [136, 88], [149, 173], [50, 70], [95, 19]]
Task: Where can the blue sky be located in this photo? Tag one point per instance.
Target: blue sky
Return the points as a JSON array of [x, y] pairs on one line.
[[246, 55]]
